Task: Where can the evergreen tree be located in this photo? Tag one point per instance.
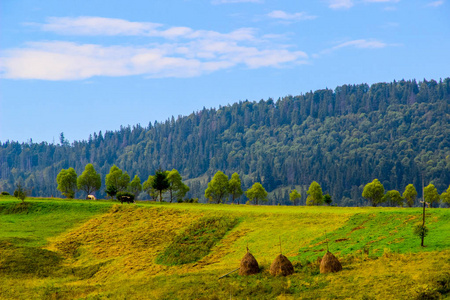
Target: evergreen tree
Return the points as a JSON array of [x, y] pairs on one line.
[[160, 182], [20, 193]]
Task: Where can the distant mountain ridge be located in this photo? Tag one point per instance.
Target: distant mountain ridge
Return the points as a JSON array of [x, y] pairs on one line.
[[342, 138]]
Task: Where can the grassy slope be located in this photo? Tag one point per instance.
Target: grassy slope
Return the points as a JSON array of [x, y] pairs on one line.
[[95, 250]]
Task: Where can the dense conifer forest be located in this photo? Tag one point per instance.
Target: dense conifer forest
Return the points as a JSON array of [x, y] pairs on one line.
[[397, 132]]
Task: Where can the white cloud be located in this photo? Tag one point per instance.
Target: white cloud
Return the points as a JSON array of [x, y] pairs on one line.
[[235, 1], [435, 3], [169, 52], [95, 26], [98, 26], [281, 15], [340, 4], [381, 1], [71, 61]]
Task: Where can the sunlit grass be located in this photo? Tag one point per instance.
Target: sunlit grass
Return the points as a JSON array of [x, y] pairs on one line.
[[100, 249]]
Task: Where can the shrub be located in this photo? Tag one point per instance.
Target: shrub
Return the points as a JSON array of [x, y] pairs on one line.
[[421, 231], [20, 193], [443, 283], [5, 194], [125, 197]]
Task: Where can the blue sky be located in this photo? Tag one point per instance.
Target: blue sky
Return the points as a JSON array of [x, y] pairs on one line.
[[79, 67]]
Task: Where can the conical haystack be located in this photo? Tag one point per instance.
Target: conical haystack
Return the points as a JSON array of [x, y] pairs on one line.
[[281, 266], [249, 265], [330, 263]]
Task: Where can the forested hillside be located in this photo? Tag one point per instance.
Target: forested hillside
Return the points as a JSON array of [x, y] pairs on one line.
[[343, 138]]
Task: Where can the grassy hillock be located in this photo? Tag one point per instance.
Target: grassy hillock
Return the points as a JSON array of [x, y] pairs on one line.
[[61, 249]]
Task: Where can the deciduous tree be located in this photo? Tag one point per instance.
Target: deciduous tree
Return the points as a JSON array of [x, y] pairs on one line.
[[234, 187], [315, 195], [135, 186], [256, 193], [410, 195], [148, 187], [177, 186], [327, 199], [67, 182], [431, 195], [89, 181], [217, 188], [393, 198], [116, 180], [445, 197], [294, 196], [374, 192]]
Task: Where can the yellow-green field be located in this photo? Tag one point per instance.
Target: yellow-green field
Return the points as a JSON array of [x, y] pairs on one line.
[[61, 249]]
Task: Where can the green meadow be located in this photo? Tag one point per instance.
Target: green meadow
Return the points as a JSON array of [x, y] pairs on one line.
[[78, 249]]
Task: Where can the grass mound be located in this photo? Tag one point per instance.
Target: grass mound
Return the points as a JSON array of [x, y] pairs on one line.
[[196, 241], [33, 261], [14, 208]]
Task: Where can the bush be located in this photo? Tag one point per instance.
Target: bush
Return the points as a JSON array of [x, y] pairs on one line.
[[5, 194], [125, 197], [421, 231], [191, 200], [20, 193]]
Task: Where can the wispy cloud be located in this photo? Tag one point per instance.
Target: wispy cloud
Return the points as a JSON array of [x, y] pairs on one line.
[[290, 17], [435, 3], [381, 1], [340, 4], [95, 26], [235, 1], [346, 4], [356, 44], [361, 44], [171, 52]]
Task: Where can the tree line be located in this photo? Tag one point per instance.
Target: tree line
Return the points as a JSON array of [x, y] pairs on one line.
[[118, 185], [375, 193], [343, 138]]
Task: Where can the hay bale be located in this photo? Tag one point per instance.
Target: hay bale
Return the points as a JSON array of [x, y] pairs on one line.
[[330, 263], [281, 266], [249, 265]]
